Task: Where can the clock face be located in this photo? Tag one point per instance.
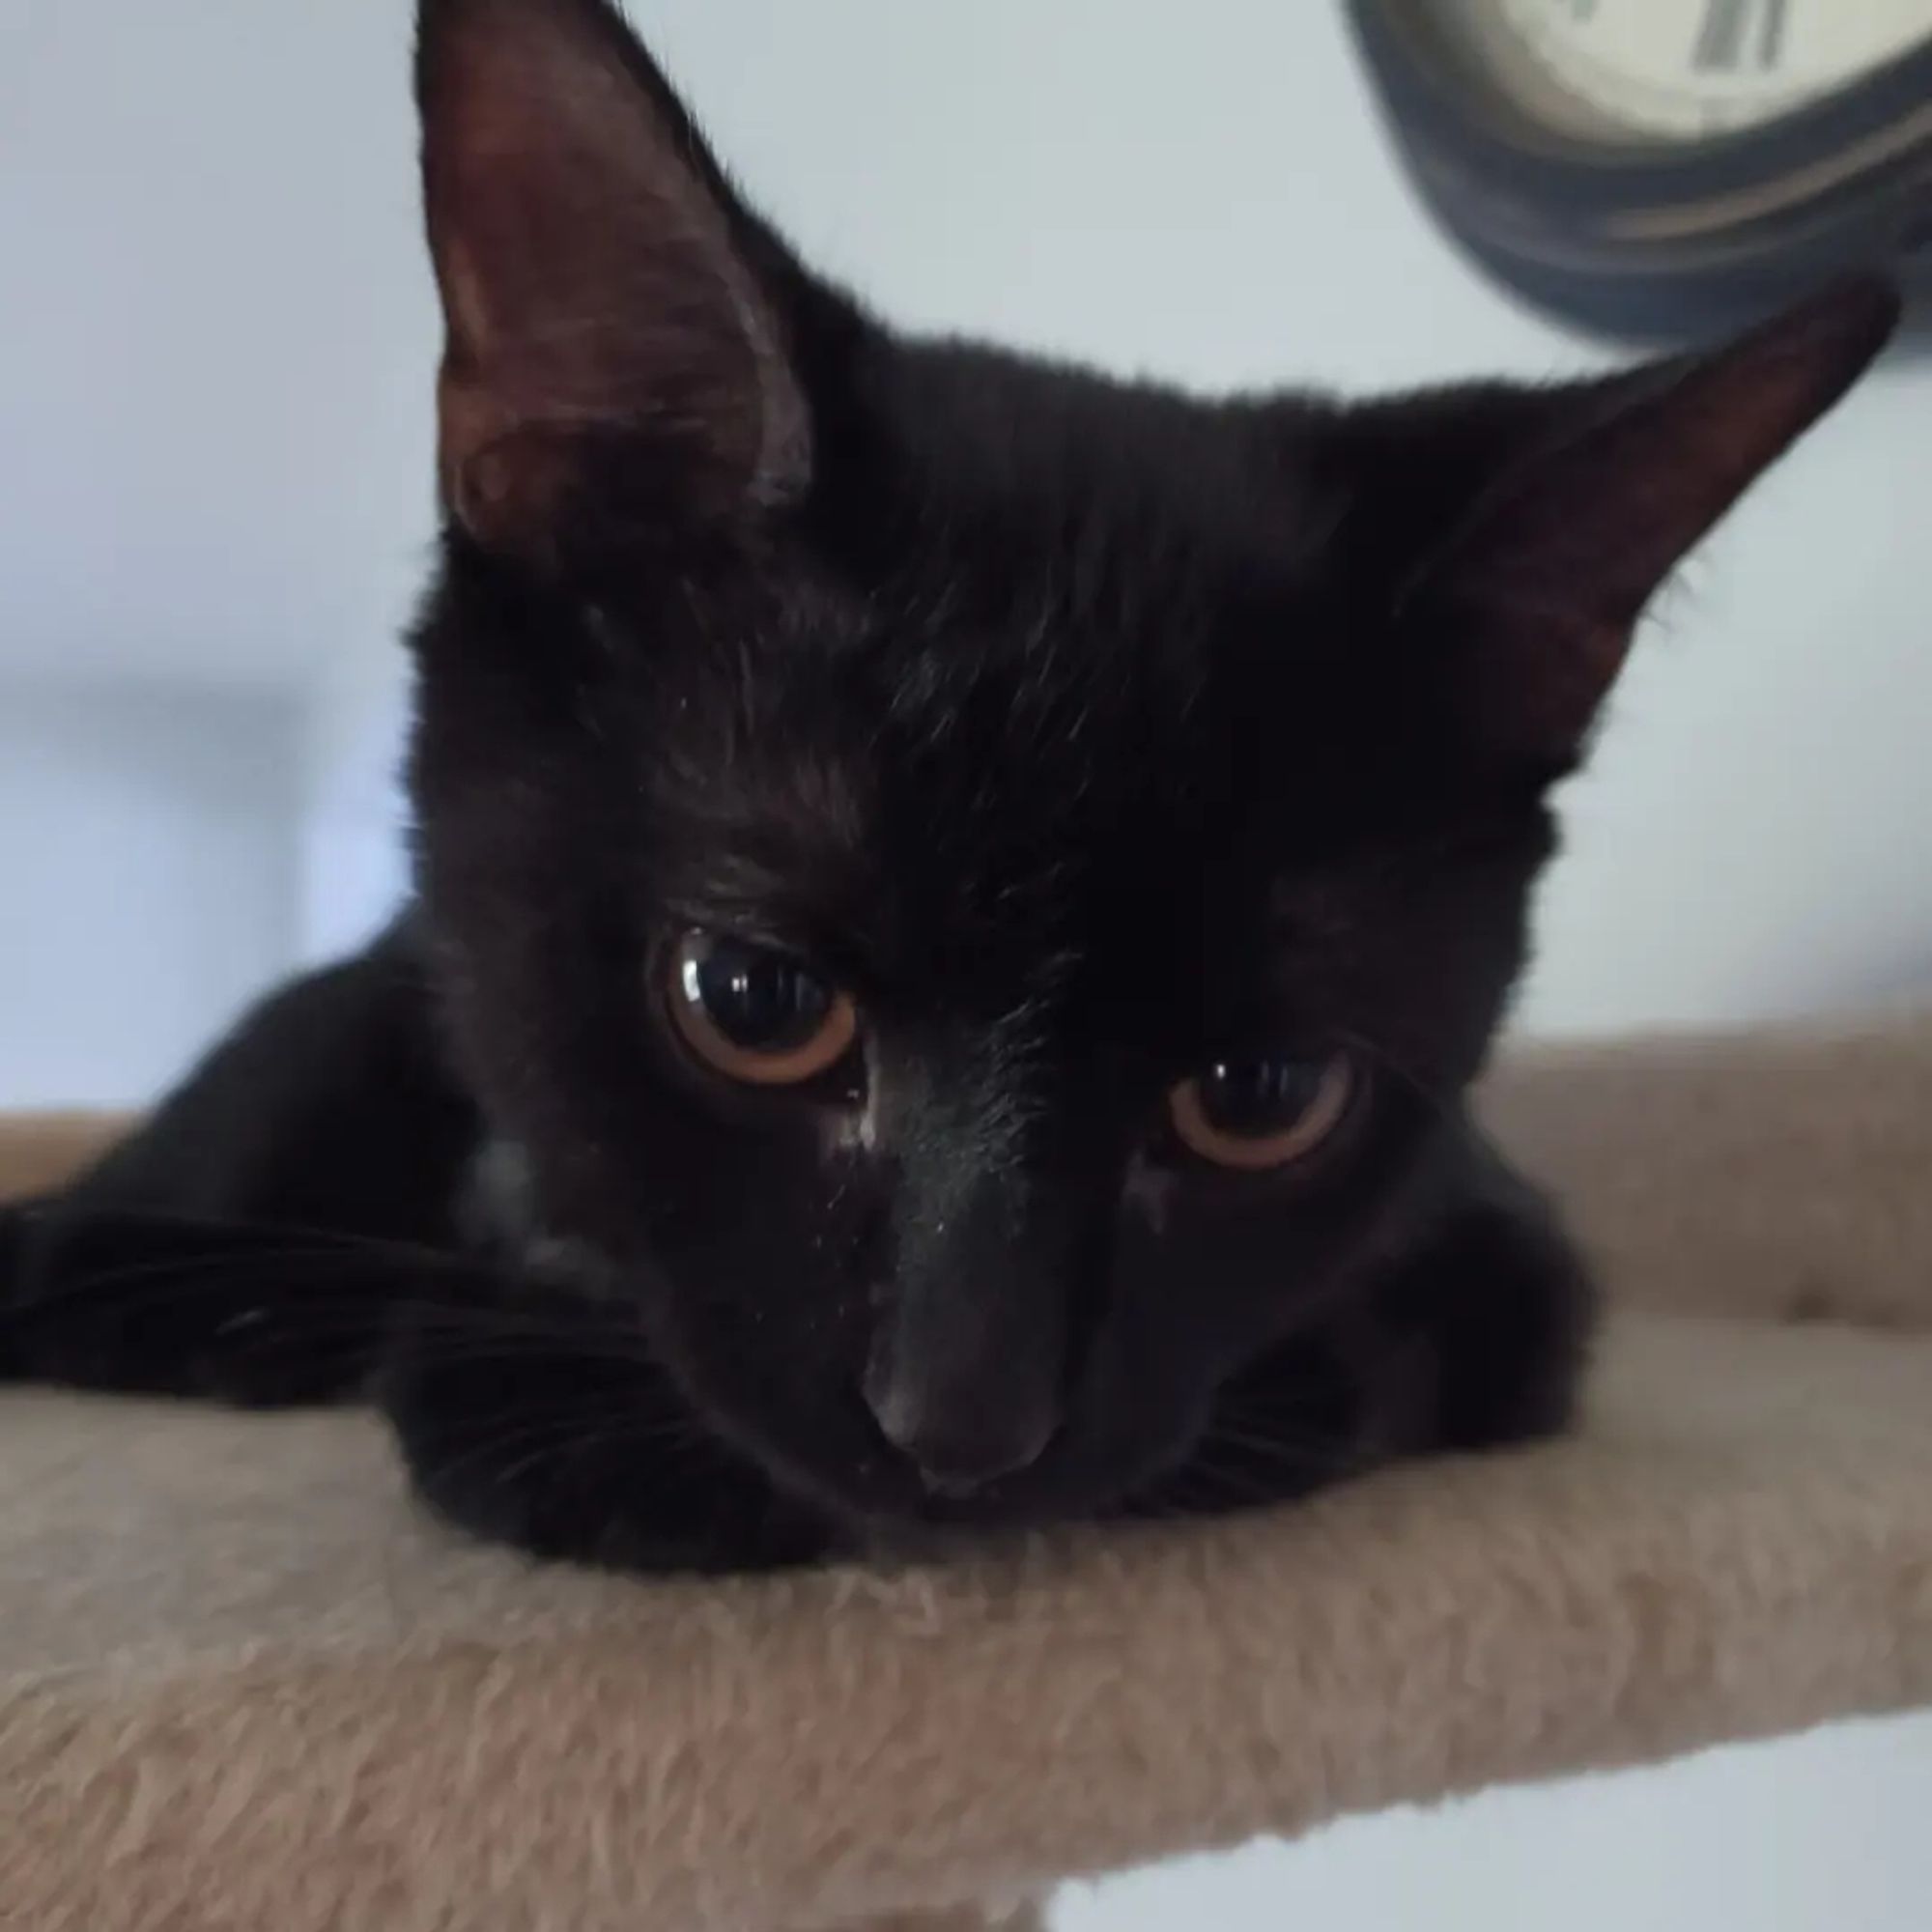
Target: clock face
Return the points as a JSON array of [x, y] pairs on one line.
[[1664, 70]]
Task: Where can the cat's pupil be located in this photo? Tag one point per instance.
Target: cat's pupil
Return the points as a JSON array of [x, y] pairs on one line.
[[1252, 1097], [758, 999]]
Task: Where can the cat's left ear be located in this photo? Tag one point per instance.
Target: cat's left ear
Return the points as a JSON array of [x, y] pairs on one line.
[[619, 328], [1604, 491]]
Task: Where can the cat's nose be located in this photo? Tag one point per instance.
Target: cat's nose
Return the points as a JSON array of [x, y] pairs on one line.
[[957, 1453], [965, 1374], [959, 1442]]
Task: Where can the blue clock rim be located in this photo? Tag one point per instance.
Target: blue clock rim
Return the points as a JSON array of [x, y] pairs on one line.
[[1551, 210]]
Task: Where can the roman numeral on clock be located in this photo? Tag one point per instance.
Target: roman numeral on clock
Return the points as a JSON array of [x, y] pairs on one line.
[[1741, 36]]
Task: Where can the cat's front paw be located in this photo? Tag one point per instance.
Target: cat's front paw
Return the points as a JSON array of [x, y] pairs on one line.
[[151, 1304], [1502, 1307], [580, 1453]]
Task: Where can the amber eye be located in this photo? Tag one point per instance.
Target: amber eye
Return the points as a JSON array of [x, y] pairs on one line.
[[1263, 1114], [756, 1014]]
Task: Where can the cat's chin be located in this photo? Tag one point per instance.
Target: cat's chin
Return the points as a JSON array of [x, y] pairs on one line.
[[1125, 1450], [1202, 1467], [933, 1529], [963, 1529], [886, 1510]]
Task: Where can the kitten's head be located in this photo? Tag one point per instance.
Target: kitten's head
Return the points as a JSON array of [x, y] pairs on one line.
[[979, 890]]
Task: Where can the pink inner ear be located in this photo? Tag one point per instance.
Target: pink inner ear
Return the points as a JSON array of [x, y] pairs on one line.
[[590, 282]]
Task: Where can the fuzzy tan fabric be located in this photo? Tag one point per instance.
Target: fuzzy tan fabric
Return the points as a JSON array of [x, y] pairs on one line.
[[244, 1685], [1784, 1174], [40, 1151]]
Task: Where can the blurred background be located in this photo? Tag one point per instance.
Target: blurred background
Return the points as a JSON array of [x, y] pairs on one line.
[[214, 509]]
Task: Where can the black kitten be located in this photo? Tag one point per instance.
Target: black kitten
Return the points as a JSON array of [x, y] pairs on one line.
[[958, 901]]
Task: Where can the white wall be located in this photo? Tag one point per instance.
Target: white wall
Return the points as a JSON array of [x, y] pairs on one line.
[[146, 879], [212, 406], [354, 867], [1823, 1833]]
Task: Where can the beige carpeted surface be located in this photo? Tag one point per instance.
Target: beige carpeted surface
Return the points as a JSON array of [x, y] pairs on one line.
[[244, 1685]]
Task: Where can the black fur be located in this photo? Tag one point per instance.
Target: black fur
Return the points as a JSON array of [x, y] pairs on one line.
[[1088, 734]]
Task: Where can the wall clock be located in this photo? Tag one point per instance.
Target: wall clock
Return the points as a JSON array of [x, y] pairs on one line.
[[1661, 167]]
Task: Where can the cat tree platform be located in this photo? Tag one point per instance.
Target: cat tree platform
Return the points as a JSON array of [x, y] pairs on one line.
[[244, 1684]]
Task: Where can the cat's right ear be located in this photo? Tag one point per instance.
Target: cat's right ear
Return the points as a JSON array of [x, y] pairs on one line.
[[1524, 531], [616, 342]]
